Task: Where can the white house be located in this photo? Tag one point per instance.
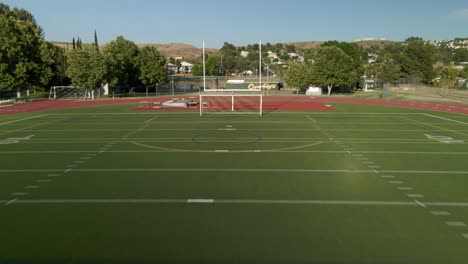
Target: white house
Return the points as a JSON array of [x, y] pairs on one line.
[[186, 67], [171, 68], [272, 55]]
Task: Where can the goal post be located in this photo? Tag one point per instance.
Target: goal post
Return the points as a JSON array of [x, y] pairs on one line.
[[231, 101], [70, 92]]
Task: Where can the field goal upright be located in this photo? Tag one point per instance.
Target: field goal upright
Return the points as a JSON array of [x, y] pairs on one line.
[[231, 101], [247, 100]]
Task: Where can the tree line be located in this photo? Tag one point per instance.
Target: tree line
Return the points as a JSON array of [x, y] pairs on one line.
[[28, 61], [343, 64]]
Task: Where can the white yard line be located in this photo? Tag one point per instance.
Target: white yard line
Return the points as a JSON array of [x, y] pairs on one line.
[[19, 120], [232, 170], [233, 201], [446, 119], [191, 151], [149, 120], [9, 202]]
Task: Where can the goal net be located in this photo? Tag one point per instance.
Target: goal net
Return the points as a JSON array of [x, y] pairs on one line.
[[231, 101], [69, 92]]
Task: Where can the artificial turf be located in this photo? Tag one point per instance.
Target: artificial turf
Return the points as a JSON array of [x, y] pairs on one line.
[[362, 184]]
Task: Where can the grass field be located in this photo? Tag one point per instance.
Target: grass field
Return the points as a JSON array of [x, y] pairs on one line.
[[362, 184]]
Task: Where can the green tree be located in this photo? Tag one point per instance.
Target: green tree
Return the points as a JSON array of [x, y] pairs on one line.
[[417, 60], [460, 55], [299, 75], [212, 65], [86, 67], [120, 57], [197, 69], [96, 44], [332, 68], [351, 49], [152, 66], [448, 78], [23, 57]]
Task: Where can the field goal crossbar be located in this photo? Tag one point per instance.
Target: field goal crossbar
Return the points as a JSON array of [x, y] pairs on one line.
[[234, 94]]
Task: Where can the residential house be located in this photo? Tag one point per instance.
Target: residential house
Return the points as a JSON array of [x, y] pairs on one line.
[[172, 68], [186, 68]]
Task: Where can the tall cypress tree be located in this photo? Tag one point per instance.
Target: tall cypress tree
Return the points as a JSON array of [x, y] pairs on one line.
[[96, 41], [73, 43]]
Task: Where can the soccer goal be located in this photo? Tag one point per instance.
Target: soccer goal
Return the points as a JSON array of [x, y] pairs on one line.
[[231, 101], [70, 92]]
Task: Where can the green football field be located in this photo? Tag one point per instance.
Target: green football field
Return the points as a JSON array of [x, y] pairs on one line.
[[362, 184]]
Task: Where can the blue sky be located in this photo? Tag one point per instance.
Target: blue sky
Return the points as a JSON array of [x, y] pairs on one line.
[[243, 22]]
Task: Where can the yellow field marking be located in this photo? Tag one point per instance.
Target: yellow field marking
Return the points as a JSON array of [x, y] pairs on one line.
[[24, 128], [438, 127], [266, 150]]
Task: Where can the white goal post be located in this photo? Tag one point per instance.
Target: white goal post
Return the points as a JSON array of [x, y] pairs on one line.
[[70, 92], [231, 101]]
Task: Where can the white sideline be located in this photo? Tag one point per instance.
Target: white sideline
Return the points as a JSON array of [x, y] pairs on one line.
[[234, 170], [191, 151], [233, 201], [19, 120], [446, 119]]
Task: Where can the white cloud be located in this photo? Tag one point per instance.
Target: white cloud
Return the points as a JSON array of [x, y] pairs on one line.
[[459, 15]]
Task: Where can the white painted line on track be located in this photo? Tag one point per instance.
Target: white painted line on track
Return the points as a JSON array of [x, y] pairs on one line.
[[465, 235], [151, 119], [85, 158], [440, 213], [455, 224], [78, 161], [53, 175], [388, 176], [71, 166], [375, 171], [67, 170]]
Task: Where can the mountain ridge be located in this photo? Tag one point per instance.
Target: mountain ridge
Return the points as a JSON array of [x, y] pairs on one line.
[[190, 52]]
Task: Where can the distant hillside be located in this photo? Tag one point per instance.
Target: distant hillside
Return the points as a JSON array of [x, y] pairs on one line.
[[189, 52], [364, 43], [306, 44], [374, 43]]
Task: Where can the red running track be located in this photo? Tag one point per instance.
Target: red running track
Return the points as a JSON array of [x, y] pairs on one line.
[[270, 103]]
